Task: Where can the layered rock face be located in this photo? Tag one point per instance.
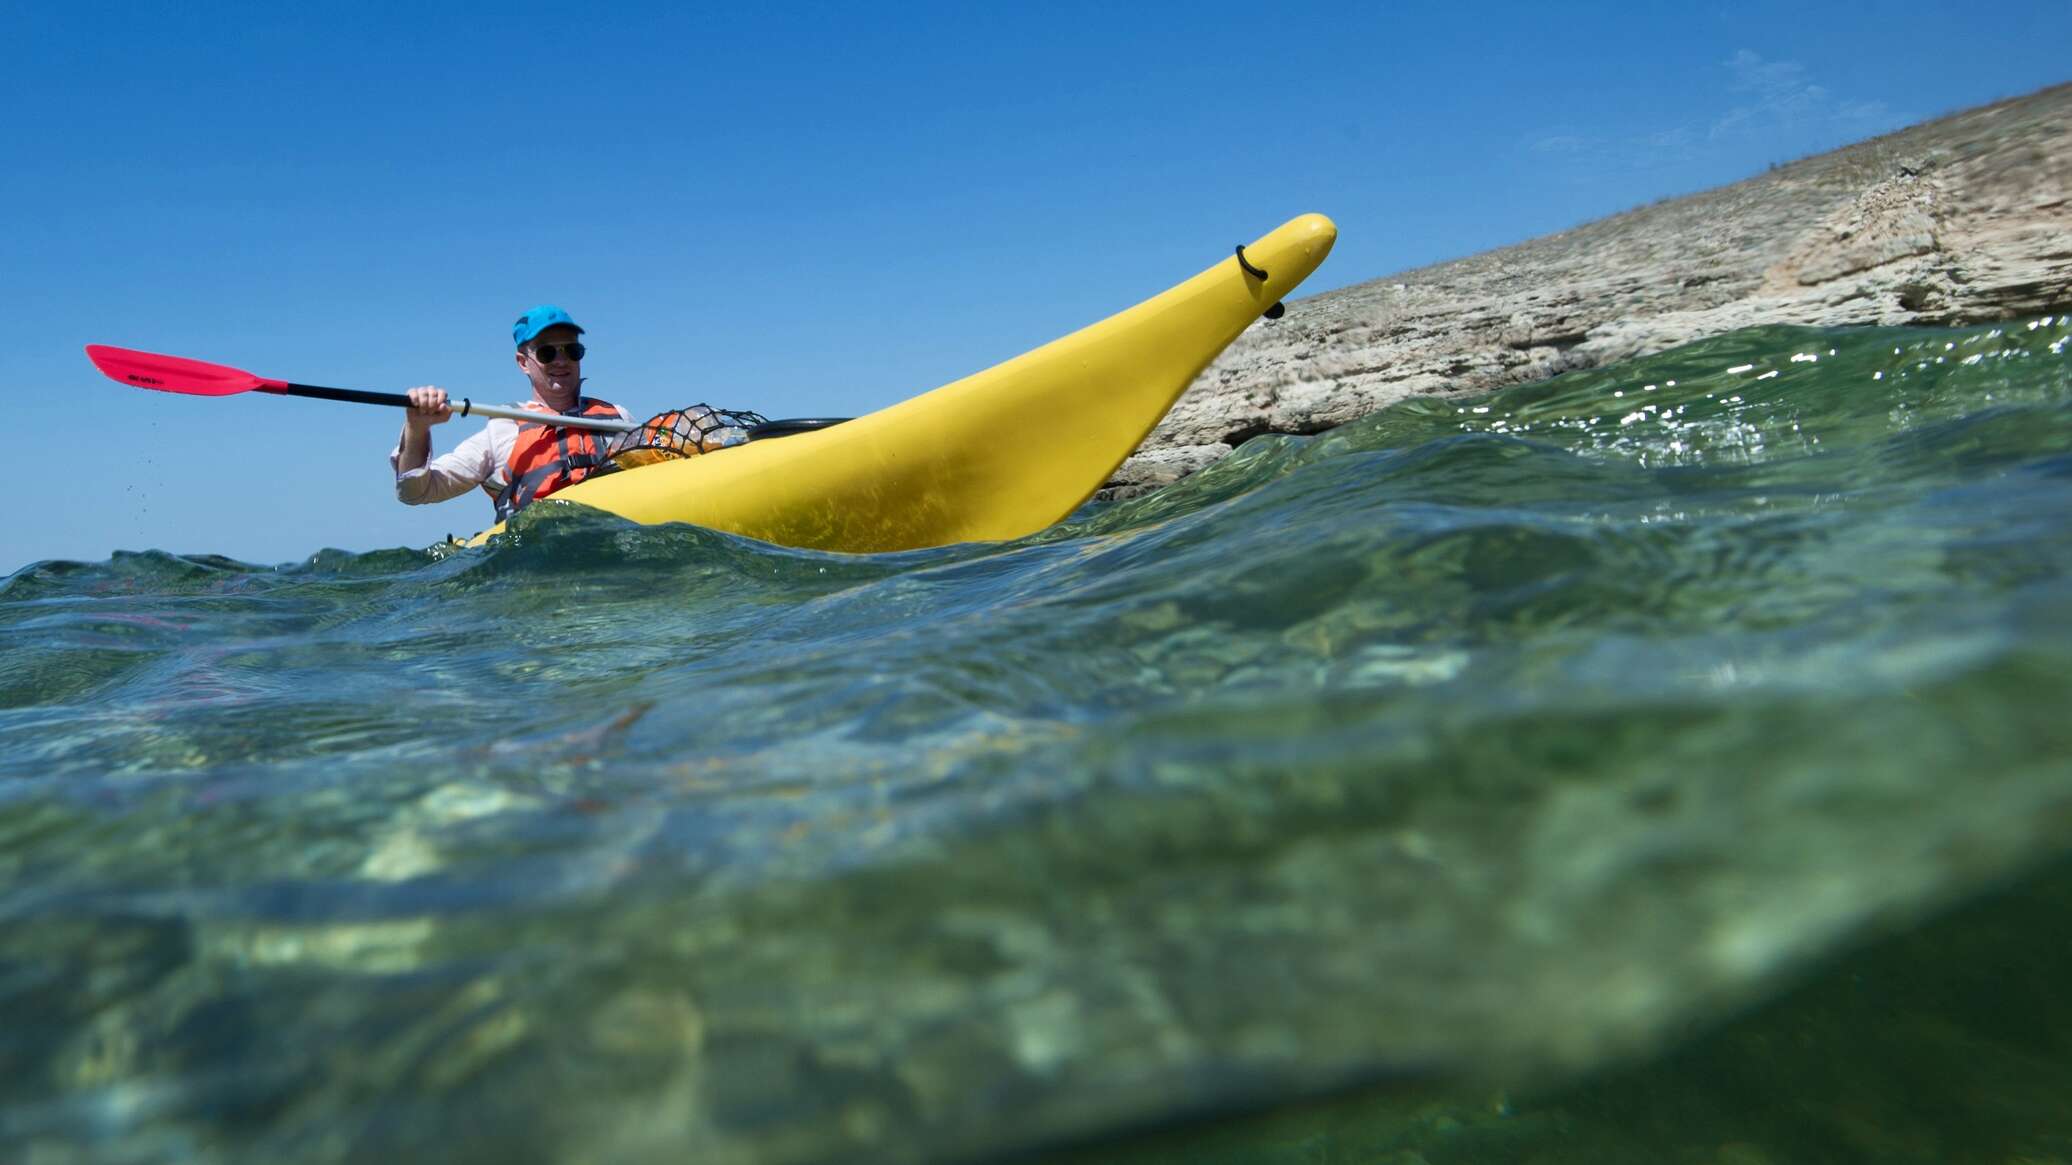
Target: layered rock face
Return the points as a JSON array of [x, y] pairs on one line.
[[1960, 220]]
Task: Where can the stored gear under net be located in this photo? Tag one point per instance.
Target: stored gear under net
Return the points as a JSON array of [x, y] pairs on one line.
[[681, 433]]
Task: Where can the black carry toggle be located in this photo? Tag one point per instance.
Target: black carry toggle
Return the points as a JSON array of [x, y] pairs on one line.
[[1254, 272], [1278, 310]]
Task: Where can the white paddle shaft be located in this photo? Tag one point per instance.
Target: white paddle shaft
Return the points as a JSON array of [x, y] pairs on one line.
[[558, 420]]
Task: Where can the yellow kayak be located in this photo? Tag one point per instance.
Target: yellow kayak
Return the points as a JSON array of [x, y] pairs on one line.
[[994, 456]]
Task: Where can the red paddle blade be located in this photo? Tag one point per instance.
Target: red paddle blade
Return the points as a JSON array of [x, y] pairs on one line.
[[173, 373]]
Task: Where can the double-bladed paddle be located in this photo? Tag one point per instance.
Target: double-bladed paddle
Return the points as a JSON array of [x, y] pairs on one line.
[[199, 378]]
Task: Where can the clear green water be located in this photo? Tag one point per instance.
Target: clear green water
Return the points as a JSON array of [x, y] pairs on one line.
[[1477, 745]]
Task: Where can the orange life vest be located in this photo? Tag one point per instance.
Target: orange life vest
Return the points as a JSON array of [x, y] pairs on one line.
[[545, 458]]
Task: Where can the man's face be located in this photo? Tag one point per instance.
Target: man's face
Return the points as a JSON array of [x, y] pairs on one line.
[[561, 375]]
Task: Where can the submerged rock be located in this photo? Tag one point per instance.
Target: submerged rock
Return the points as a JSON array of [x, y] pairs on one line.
[[1948, 1043]]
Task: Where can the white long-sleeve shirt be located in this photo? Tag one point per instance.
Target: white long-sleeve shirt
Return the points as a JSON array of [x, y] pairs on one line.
[[483, 460]]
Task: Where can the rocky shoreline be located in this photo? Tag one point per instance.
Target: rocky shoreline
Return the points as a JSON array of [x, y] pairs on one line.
[[1963, 219]]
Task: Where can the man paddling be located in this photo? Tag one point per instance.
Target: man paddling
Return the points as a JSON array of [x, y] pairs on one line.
[[515, 463]]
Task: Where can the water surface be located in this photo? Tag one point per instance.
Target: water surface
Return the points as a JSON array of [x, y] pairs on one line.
[[1481, 748]]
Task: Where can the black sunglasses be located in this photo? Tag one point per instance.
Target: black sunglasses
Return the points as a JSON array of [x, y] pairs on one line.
[[545, 353]]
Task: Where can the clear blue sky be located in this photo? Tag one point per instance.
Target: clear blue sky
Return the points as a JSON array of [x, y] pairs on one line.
[[798, 208]]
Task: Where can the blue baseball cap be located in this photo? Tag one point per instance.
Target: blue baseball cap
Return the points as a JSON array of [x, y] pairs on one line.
[[538, 320]]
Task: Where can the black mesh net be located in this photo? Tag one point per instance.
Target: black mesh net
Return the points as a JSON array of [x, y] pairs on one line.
[[684, 432]]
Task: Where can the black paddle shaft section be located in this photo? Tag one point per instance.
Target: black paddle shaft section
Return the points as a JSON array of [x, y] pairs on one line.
[[790, 425], [348, 395], [358, 397]]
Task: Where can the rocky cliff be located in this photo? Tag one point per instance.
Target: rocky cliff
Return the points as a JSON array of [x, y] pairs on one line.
[[1957, 220]]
